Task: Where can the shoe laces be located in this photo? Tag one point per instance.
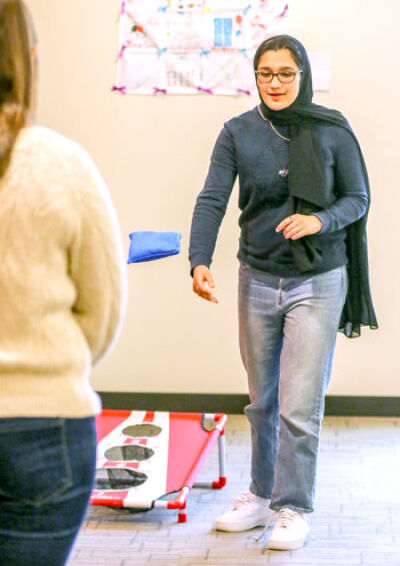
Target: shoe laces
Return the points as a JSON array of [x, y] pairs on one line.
[[243, 500], [285, 517], [265, 529]]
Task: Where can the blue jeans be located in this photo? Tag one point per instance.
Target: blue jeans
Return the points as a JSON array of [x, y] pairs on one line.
[[47, 468], [287, 332]]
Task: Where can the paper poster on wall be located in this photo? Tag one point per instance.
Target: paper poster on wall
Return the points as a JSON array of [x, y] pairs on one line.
[[321, 70], [193, 46]]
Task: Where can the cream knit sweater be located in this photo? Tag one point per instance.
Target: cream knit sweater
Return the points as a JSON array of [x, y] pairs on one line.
[[62, 277]]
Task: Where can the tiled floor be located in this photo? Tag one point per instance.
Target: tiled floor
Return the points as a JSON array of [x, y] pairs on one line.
[[356, 522]]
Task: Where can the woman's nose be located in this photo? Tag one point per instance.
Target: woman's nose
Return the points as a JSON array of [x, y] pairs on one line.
[[275, 81]]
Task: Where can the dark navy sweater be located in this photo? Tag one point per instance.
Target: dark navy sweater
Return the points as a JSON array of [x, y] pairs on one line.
[[247, 147]]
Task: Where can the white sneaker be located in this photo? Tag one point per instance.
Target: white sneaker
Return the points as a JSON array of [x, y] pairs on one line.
[[290, 531], [248, 512]]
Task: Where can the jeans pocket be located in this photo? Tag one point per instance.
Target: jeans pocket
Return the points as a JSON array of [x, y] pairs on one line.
[[329, 284], [345, 281], [34, 463], [243, 267]]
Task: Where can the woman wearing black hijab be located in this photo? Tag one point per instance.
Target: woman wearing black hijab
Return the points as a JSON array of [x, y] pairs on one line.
[[303, 275]]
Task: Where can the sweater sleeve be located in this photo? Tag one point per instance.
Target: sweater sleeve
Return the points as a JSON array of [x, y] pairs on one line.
[[352, 201], [97, 267], [212, 201]]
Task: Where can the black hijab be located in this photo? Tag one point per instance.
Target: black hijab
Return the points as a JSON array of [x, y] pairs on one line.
[[309, 189]]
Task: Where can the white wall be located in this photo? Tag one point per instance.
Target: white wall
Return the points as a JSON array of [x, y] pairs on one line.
[[154, 153]]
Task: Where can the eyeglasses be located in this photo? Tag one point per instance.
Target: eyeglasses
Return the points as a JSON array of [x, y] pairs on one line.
[[285, 77]]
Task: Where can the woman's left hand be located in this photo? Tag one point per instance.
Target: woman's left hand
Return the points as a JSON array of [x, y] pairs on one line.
[[299, 225]]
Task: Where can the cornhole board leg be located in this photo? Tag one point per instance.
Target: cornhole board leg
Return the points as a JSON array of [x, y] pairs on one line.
[[178, 503], [221, 482]]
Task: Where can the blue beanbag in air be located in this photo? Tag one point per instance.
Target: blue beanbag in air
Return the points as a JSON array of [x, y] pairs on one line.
[[148, 245]]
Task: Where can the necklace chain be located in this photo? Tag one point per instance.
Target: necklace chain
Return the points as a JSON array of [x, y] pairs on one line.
[[272, 126], [282, 172]]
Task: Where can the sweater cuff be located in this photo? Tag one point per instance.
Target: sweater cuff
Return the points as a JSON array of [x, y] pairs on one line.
[[326, 221], [199, 260]]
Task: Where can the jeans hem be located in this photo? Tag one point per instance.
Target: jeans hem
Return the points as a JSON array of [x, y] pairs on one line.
[[254, 492], [292, 508]]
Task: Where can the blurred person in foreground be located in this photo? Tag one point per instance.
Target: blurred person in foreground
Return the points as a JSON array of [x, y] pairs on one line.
[[62, 297]]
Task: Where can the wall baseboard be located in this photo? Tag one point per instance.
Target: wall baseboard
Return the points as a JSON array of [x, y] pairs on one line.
[[335, 405]]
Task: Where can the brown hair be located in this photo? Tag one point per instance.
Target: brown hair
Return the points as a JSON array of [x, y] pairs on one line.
[[15, 76]]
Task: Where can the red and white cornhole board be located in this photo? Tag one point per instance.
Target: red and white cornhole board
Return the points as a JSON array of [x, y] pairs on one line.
[[145, 455]]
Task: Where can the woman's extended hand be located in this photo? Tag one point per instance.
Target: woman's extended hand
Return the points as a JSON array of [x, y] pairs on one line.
[[203, 283], [299, 225]]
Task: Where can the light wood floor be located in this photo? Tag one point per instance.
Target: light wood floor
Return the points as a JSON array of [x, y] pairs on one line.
[[356, 521]]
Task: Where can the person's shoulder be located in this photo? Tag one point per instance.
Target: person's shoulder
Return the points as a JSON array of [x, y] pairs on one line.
[[63, 162], [47, 145], [337, 134], [243, 126], [42, 136], [244, 119]]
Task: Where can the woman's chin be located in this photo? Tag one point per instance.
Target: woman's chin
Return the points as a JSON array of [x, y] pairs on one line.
[[276, 104]]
